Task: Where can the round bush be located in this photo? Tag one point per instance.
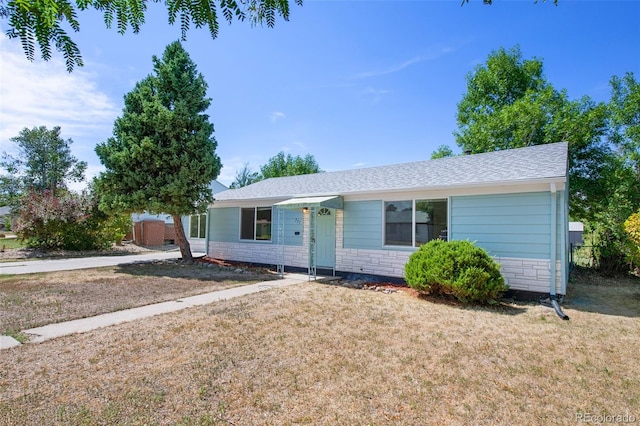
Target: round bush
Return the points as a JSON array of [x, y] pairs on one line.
[[458, 268]]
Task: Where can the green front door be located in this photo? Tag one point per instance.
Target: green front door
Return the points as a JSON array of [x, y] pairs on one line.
[[326, 238]]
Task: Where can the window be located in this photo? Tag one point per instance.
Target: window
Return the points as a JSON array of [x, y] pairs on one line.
[[198, 226], [255, 223], [414, 222]]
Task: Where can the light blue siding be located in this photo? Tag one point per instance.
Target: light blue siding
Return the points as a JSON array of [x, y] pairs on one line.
[[363, 224], [506, 225], [293, 222], [224, 224]]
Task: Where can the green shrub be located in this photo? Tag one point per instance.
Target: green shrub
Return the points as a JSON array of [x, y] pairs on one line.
[[458, 268]]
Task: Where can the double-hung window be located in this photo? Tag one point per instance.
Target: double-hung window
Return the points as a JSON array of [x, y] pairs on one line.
[[255, 223], [414, 222], [198, 226]]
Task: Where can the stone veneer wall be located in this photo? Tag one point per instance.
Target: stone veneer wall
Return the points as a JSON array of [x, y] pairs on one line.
[[529, 274]]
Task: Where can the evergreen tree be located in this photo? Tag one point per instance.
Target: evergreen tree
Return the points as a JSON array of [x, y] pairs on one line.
[[161, 157]]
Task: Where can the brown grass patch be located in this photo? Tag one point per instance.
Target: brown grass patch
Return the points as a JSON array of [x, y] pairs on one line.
[[321, 354], [34, 300]]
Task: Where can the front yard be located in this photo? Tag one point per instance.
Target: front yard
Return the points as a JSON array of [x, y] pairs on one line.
[[322, 354]]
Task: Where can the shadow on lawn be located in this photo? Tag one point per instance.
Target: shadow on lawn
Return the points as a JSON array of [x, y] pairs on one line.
[[589, 291], [502, 307], [197, 270]]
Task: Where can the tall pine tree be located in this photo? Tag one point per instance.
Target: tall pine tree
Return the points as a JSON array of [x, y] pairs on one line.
[[161, 157]]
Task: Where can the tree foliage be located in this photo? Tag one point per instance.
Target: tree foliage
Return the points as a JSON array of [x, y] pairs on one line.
[[509, 104], [625, 118], [442, 152], [43, 22], [277, 166], [43, 163], [69, 221], [286, 165], [161, 157], [245, 177], [632, 228]]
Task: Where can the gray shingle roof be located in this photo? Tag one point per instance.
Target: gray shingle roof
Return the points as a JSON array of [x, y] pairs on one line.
[[509, 166]]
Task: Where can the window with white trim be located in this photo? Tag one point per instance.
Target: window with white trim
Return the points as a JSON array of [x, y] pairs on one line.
[[414, 222], [255, 223], [198, 226]]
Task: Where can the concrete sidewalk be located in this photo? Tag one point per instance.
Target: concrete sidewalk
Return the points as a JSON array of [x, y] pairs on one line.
[[41, 334], [52, 265]]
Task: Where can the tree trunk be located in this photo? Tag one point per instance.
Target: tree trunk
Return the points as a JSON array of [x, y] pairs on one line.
[[181, 238]]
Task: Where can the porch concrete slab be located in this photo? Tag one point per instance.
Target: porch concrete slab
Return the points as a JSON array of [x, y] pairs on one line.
[[51, 331], [7, 342]]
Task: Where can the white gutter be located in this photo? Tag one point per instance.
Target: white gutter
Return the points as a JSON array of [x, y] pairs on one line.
[[554, 238]]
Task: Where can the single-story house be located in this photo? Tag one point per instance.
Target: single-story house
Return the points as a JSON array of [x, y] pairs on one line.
[[513, 203]]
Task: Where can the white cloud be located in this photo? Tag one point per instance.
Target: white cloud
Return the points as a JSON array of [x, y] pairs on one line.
[[276, 115], [44, 94]]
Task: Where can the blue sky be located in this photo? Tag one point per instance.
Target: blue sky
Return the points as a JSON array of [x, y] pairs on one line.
[[354, 83]]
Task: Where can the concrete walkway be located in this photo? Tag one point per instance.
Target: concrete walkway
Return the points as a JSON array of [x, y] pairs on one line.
[[47, 332], [51, 265]]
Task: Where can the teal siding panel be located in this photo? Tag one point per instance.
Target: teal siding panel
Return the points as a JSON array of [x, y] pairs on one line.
[[224, 224], [293, 223], [481, 228], [506, 225], [504, 200], [512, 210], [362, 222], [500, 219]]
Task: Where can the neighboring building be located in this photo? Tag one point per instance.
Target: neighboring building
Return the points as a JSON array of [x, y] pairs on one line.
[[576, 229], [158, 229], [6, 218], [513, 203]]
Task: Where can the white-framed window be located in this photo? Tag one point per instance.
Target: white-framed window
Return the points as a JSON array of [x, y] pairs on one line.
[[255, 223], [198, 226], [412, 223]]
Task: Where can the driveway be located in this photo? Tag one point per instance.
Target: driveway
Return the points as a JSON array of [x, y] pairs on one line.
[[32, 266]]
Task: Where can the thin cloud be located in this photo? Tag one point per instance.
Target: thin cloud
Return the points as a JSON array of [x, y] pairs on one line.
[[406, 64], [276, 115], [299, 144], [375, 95]]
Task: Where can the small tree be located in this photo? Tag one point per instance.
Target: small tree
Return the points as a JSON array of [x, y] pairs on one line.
[[162, 157], [245, 177], [44, 162]]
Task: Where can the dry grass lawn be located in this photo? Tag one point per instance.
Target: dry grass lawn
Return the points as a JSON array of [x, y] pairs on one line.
[[40, 299], [327, 355]]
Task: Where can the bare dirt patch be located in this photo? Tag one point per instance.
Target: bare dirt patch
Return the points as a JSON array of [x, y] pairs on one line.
[[324, 355]]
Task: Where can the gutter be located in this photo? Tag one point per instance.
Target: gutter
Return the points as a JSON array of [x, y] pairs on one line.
[[552, 301]]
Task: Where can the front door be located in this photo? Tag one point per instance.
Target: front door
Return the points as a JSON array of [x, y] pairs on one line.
[[326, 238]]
